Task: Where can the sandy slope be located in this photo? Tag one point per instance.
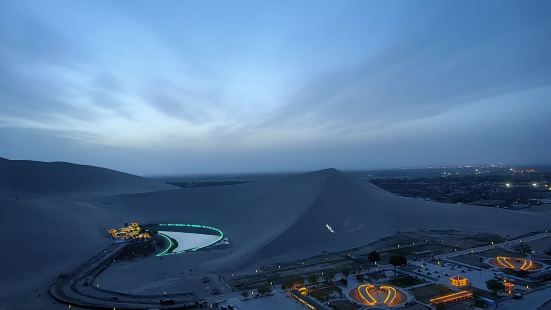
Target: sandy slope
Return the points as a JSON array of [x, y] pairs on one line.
[[32, 179], [266, 221], [360, 212], [285, 218], [47, 227]]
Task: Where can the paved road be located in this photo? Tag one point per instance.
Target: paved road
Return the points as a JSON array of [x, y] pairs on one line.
[[534, 301], [77, 288], [488, 247]]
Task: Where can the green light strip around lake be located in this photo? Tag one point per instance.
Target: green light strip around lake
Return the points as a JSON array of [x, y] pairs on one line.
[[171, 243]]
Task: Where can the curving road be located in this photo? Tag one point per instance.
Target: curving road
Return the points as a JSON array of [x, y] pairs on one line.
[[77, 288]]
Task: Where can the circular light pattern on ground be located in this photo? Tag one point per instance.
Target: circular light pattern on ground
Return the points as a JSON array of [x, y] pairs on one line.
[[376, 296], [515, 263], [183, 238]]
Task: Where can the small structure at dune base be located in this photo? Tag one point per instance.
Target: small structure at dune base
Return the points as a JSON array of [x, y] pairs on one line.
[[515, 263], [378, 296], [303, 290], [452, 298], [508, 286], [130, 232], [459, 281]]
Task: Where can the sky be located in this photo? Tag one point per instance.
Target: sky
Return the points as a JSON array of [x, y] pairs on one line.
[[178, 87]]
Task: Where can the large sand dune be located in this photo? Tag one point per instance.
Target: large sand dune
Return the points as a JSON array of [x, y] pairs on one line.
[[286, 218], [32, 179], [266, 221], [46, 225]]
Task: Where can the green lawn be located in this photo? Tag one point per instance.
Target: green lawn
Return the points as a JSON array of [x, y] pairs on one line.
[[425, 293], [324, 294], [343, 305], [406, 281]]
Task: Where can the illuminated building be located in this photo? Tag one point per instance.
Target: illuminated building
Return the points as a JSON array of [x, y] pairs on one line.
[[454, 297], [130, 232], [509, 286], [459, 281]]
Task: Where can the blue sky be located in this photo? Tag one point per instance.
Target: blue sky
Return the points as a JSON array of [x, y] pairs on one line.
[[163, 87]]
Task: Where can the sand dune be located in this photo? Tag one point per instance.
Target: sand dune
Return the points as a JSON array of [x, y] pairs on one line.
[[360, 212], [32, 179], [286, 218], [266, 221]]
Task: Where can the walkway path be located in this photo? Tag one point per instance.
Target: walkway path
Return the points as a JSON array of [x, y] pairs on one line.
[[533, 300], [78, 289], [492, 246]]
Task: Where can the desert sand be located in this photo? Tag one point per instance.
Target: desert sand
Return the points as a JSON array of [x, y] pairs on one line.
[[54, 216]]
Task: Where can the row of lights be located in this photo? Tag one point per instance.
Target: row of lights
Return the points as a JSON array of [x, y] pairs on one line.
[[533, 184]]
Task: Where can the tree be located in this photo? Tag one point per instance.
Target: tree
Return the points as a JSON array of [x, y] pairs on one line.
[[398, 261], [495, 285], [328, 276], [263, 290], [313, 279], [296, 281], [523, 248], [374, 257]]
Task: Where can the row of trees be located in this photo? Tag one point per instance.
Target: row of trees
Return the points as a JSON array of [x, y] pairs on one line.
[[495, 285], [374, 257], [261, 291], [396, 260]]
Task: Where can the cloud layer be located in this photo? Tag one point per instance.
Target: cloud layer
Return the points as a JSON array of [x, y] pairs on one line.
[[212, 87]]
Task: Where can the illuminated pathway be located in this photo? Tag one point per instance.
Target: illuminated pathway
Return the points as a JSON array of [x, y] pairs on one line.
[[515, 263], [493, 246], [365, 296], [370, 295], [77, 288]]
